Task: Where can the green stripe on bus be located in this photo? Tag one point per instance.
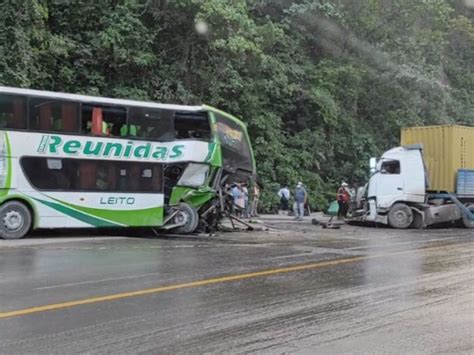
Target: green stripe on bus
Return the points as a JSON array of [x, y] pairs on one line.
[[152, 217], [96, 222]]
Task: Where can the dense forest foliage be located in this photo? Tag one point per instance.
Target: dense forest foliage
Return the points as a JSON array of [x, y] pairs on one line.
[[322, 84]]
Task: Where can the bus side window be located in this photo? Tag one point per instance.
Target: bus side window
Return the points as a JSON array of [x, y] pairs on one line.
[[102, 179], [45, 117], [122, 180], [146, 179], [134, 177], [86, 175], [101, 120], [97, 126], [58, 174], [193, 125], [112, 176], [151, 123], [70, 117], [12, 111], [54, 116], [157, 178]]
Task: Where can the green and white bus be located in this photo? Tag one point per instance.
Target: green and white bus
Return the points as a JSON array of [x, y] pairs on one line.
[[75, 161]]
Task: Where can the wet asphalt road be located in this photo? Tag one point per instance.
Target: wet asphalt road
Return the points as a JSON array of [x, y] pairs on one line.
[[361, 290]]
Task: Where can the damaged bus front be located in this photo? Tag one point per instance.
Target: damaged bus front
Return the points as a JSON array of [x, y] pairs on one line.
[[196, 192]]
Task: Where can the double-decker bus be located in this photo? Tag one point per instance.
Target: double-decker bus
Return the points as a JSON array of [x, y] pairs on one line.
[[75, 161]]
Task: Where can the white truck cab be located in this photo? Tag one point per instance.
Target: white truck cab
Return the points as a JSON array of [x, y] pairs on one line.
[[399, 176], [397, 193]]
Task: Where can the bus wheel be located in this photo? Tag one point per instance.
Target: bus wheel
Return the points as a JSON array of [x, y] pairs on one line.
[[15, 220], [188, 216], [400, 216], [466, 221]]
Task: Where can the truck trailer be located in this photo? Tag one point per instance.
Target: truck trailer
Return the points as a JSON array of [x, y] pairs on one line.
[[428, 180]]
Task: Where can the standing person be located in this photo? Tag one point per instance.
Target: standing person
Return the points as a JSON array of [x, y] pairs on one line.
[[255, 197], [284, 195], [235, 191], [301, 197], [239, 199], [245, 191], [343, 197]]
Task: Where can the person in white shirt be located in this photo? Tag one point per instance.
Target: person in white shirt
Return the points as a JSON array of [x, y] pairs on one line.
[[284, 195]]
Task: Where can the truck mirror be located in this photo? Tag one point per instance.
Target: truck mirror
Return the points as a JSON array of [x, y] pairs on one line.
[[373, 165]]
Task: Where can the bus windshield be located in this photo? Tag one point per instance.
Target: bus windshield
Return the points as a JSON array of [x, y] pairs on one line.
[[235, 147]]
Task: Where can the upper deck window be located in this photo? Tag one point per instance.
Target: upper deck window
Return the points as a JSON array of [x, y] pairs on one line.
[[51, 115], [192, 125], [12, 111], [153, 124], [99, 120]]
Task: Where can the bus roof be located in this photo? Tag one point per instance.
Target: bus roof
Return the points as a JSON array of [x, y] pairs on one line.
[[98, 100]]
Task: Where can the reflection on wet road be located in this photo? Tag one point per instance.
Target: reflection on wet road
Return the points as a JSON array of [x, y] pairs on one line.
[[297, 288]]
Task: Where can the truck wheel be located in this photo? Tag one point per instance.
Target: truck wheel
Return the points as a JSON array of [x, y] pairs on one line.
[[418, 220], [400, 216], [15, 220], [187, 215], [466, 221]]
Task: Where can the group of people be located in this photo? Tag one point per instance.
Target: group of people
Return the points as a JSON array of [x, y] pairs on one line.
[[241, 202], [301, 198], [343, 197], [245, 204]]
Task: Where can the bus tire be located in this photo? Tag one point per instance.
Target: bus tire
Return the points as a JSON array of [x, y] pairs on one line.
[[189, 215], [466, 221], [15, 220], [400, 216]]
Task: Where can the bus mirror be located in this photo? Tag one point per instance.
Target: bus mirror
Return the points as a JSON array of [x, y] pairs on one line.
[[373, 165]]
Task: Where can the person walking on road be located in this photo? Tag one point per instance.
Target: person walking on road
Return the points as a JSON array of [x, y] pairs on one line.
[[284, 195], [343, 198], [301, 197]]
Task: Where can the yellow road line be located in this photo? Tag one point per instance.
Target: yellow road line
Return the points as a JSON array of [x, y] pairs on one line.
[[217, 280]]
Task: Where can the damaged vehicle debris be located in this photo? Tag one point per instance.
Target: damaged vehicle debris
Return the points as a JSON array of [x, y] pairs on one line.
[[198, 194]]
